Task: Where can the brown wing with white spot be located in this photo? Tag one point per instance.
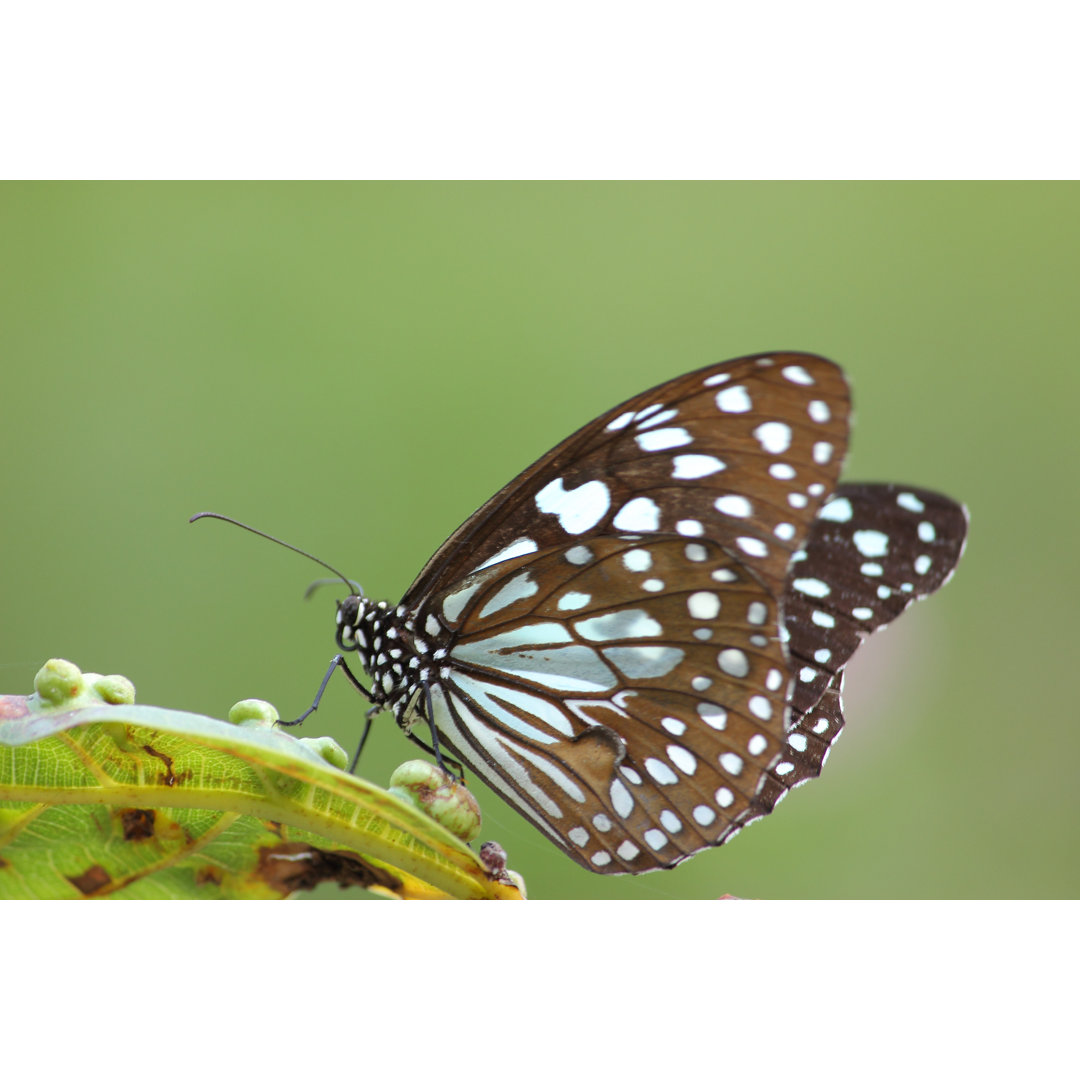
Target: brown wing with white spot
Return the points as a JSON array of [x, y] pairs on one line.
[[806, 749], [626, 694], [741, 453]]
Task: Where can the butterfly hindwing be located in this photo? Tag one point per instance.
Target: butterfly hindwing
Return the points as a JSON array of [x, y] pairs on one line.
[[625, 693], [873, 550]]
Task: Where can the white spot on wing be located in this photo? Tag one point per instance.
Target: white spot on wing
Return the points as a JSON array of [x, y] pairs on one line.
[[623, 623], [519, 587], [540, 653], [796, 373], [774, 436], [511, 551], [695, 466], [621, 799], [871, 543], [713, 715], [811, 587], [578, 510], [660, 772], [733, 662], [734, 506], [760, 706], [731, 763], [620, 422], [554, 772], [683, 759], [659, 418], [506, 703], [638, 515], [644, 661], [836, 510], [734, 399], [752, 546], [573, 601], [663, 439], [455, 603], [703, 605], [637, 560], [757, 613], [579, 555]]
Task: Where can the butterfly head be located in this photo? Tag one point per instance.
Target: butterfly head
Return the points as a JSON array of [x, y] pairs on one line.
[[352, 614]]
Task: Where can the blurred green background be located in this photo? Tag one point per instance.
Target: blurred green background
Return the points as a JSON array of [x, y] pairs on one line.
[[356, 367]]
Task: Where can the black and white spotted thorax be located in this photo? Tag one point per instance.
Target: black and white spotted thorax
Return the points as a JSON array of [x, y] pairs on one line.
[[400, 658]]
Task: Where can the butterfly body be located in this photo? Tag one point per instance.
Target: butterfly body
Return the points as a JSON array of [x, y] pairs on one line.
[[619, 641]]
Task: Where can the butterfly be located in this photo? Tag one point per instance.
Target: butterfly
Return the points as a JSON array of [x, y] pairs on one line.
[[639, 642]]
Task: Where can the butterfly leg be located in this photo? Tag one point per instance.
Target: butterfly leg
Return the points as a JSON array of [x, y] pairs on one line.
[[434, 749], [370, 715], [337, 662], [441, 759]]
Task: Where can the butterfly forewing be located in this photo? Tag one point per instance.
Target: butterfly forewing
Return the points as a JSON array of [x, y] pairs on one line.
[[743, 452], [626, 693]]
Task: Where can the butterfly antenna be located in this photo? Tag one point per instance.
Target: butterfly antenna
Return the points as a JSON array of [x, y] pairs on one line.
[[357, 591]]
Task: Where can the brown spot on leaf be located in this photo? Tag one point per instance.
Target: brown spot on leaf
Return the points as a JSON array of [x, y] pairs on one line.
[[169, 779], [208, 875], [91, 881], [292, 866], [138, 824], [3, 863]]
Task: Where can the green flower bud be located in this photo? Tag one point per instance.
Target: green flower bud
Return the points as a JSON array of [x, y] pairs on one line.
[[441, 796], [58, 682], [329, 750], [115, 689], [253, 712]]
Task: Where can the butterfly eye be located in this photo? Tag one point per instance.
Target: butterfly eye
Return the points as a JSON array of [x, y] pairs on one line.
[[349, 613], [639, 643]]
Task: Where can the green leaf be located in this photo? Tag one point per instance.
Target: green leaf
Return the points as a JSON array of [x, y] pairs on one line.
[[103, 797]]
